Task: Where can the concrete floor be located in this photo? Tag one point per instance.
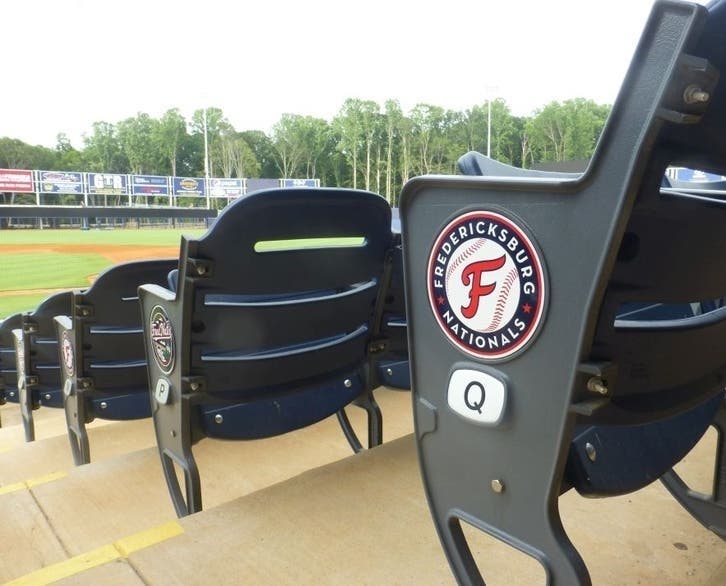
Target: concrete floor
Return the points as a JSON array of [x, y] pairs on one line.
[[299, 509]]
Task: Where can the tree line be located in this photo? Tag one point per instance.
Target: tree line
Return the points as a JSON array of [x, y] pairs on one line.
[[365, 145]]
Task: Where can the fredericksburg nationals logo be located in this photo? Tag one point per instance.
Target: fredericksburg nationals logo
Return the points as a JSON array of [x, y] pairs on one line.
[[486, 285], [67, 353], [162, 339]]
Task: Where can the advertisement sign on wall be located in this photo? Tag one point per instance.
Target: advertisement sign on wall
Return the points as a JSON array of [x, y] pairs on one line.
[[226, 187], [16, 180], [60, 182], [107, 184], [189, 186], [300, 182], [149, 185]]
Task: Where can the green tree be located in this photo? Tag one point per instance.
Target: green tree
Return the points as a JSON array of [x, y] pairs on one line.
[[427, 126], [67, 157], [393, 123], [103, 152], [168, 137], [288, 143], [217, 126], [567, 130], [236, 157], [349, 127], [136, 136], [264, 152]]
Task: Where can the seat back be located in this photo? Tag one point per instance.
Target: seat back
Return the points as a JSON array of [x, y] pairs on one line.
[[393, 364], [474, 163], [619, 468], [275, 323], [36, 348], [305, 308], [8, 372], [513, 287], [102, 350]]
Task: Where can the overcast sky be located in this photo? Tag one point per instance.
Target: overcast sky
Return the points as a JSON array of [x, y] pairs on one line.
[[69, 63]]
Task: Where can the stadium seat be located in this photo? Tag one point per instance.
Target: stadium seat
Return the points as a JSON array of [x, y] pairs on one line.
[[393, 365], [102, 350], [514, 288], [8, 372], [620, 468], [275, 324], [36, 356]]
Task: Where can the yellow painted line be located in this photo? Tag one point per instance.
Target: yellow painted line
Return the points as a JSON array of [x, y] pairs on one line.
[[15, 486], [122, 548], [31, 482], [67, 568], [44, 479], [128, 545]]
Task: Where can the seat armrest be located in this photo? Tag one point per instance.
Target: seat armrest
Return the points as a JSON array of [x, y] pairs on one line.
[[156, 292]]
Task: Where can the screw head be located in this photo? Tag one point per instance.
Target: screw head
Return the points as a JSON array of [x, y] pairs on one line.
[[597, 385], [47, 397], [389, 371], [591, 452], [497, 486], [218, 418], [348, 383], [201, 270], [693, 94], [173, 433], [104, 405], [194, 386]]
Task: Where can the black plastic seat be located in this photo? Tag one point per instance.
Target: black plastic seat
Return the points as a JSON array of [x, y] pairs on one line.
[[102, 350], [517, 351], [393, 366], [620, 468], [275, 324], [36, 355], [8, 372]]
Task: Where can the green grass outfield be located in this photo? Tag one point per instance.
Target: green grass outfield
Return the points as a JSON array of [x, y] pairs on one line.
[[34, 275], [161, 237], [30, 273]]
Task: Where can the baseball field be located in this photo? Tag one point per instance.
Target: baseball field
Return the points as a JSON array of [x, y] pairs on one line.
[[36, 263]]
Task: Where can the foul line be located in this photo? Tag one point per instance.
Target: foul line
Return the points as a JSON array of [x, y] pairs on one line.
[[119, 549], [31, 482]]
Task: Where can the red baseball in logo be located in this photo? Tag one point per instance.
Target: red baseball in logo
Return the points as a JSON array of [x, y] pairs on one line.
[[486, 285]]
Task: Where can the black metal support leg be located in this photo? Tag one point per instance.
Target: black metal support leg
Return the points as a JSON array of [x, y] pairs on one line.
[[76, 419], [172, 423], [707, 509], [375, 423]]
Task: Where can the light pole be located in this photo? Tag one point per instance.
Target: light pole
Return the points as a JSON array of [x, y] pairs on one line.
[[206, 158], [490, 89], [489, 127]]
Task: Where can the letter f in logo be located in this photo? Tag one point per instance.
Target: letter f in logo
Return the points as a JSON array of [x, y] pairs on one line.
[[472, 276]]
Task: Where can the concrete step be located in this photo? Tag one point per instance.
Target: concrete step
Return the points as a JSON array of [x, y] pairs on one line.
[[364, 520], [49, 422], [299, 509], [59, 516]]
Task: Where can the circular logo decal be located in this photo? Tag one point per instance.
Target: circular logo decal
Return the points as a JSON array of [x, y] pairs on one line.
[[162, 339], [486, 285], [67, 352]]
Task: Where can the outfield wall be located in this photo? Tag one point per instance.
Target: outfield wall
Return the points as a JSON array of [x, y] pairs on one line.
[[38, 199]]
